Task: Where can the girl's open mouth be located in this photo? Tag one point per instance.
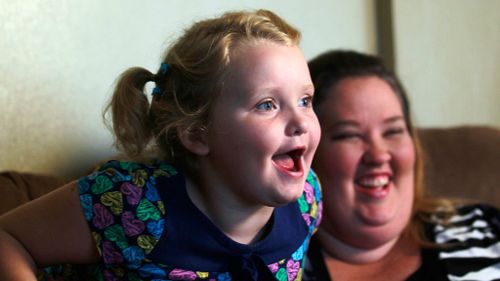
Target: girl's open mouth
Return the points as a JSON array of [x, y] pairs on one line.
[[290, 162]]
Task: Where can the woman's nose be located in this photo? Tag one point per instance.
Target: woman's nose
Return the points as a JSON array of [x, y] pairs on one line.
[[376, 153]]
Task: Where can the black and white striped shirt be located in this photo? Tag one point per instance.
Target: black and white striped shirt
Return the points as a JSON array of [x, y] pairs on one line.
[[474, 254], [476, 231]]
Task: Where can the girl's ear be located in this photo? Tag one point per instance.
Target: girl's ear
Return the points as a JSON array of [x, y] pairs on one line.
[[193, 141]]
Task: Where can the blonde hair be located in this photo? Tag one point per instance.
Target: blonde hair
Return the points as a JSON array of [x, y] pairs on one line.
[[426, 208], [197, 63]]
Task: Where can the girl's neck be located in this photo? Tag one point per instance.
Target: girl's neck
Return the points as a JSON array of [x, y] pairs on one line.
[[242, 223]]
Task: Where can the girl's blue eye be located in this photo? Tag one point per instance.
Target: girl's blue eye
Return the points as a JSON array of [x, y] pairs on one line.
[[305, 102], [266, 106]]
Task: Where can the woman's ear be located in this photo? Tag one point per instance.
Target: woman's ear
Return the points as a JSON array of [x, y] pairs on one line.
[[193, 140]]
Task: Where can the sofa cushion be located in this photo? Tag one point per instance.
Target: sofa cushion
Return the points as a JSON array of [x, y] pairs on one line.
[[462, 162], [17, 188]]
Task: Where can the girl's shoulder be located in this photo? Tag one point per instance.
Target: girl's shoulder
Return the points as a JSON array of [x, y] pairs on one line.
[[114, 172], [123, 207], [154, 167], [310, 203]]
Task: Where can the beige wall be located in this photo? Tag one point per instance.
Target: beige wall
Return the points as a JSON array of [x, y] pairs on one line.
[[448, 56], [59, 60]]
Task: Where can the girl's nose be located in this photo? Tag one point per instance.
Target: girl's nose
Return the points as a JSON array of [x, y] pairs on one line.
[[298, 124], [376, 154]]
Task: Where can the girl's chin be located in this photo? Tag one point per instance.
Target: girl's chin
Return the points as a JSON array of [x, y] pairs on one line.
[[291, 196]]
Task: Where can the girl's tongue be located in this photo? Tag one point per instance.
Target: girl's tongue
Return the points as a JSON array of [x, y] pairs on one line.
[[285, 161]]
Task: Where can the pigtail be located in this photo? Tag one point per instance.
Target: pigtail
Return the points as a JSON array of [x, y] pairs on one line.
[[187, 83], [130, 112]]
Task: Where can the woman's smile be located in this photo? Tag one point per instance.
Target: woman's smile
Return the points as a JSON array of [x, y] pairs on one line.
[[365, 161]]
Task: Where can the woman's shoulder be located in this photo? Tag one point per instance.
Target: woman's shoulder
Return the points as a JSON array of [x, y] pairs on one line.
[[471, 236], [479, 209], [474, 225], [471, 215]]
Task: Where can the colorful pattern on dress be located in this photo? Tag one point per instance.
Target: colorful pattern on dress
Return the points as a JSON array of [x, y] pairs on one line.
[[122, 205]]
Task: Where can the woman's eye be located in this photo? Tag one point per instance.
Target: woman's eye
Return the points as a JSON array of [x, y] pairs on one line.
[[345, 136], [305, 102], [394, 132], [266, 106]]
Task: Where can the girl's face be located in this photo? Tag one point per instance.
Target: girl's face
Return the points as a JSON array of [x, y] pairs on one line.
[[365, 162], [263, 131]]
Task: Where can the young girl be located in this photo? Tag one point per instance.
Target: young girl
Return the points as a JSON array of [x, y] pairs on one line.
[[229, 195]]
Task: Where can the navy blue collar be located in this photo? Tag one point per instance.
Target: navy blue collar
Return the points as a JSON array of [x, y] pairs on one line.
[[191, 241]]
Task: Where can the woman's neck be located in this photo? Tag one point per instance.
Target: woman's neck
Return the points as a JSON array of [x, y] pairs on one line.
[[395, 260], [351, 254], [242, 223]]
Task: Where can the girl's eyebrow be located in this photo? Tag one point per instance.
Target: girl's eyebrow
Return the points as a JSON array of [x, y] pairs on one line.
[[308, 87], [305, 87]]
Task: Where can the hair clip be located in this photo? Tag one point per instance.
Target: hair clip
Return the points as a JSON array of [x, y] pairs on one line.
[[164, 68], [156, 91]]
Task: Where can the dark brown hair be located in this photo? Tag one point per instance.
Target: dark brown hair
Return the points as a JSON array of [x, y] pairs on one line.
[[331, 67]]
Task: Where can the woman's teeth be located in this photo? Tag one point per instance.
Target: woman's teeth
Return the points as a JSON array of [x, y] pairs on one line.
[[379, 181]]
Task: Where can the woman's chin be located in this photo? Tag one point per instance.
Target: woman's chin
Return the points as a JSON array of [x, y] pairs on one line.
[[364, 247], [373, 234], [375, 238], [378, 232], [378, 219], [377, 215]]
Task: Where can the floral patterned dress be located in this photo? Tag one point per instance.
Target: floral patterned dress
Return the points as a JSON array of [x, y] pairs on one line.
[[146, 228]]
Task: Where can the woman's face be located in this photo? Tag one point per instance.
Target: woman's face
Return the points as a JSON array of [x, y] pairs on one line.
[[365, 162]]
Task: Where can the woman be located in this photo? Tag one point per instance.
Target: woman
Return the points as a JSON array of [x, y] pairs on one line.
[[378, 222]]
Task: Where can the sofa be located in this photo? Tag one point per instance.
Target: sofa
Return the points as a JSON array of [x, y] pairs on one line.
[[459, 162], [462, 162]]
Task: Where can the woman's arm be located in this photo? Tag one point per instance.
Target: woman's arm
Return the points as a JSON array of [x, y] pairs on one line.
[[46, 231]]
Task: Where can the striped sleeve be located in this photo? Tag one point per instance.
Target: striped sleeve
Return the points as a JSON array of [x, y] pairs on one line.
[[474, 236]]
